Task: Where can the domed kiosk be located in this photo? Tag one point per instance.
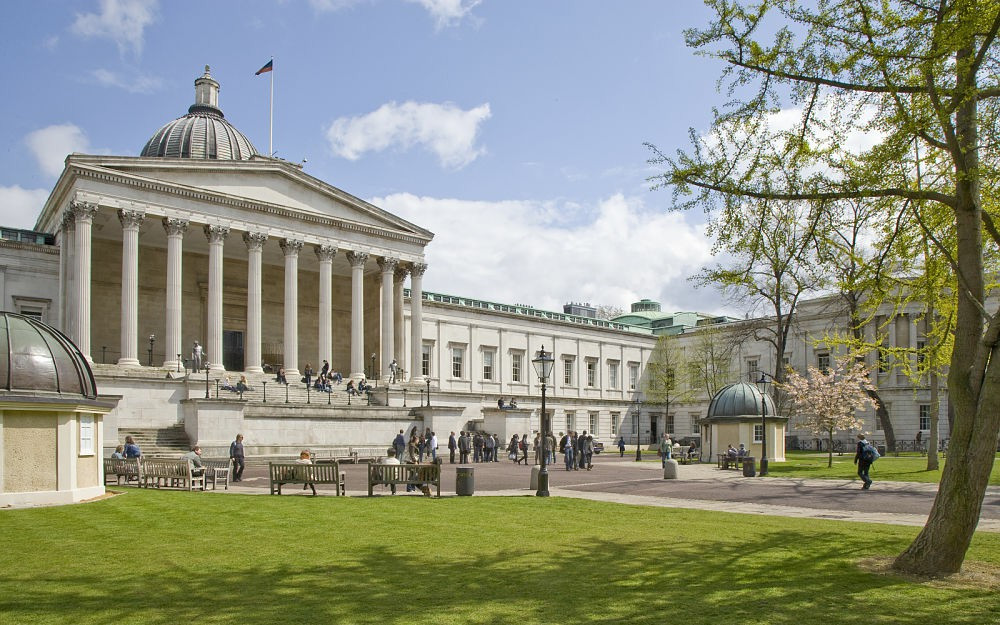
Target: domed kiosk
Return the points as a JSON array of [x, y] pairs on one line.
[[734, 417], [50, 417], [203, 132]]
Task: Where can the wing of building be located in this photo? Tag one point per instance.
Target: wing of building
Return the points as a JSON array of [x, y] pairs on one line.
[[201, 262]]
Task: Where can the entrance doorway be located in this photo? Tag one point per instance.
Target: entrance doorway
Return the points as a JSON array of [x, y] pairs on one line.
[[232, 350], [653, 437]]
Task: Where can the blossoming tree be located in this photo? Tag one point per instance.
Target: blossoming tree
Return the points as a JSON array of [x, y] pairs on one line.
[[825, 402]]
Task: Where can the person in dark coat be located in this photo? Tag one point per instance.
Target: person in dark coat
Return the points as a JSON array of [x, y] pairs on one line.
[[452, 446], [464, 444], [863, 464], [236, 455]]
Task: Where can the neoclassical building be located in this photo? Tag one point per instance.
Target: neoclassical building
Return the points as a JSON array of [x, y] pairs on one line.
[[202, 238]]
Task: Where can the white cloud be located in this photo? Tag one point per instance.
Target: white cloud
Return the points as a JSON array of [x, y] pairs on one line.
[[140, 83], [447, 12], [549, 253], [52, 144], [19, 208], [444, 129], [332, 5], [122, 21]]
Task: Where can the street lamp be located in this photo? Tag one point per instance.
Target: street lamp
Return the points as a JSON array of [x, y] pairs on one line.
[[152, 339], [207, 395], [372, 375], [543, 362], [762, 384], [638, 409]]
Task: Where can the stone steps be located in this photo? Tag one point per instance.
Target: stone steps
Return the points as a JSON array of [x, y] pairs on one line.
[[169, 441]]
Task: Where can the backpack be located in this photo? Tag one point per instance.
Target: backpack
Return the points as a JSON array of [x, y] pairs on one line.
[[869, 453]]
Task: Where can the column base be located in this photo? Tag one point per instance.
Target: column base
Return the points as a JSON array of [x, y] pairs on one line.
[[129, 362], [293, 375], [254, 370], [418, 380], [358, 375], [214, 368]]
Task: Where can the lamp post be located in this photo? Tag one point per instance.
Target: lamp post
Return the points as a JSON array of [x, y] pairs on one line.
[[638, 410], [543, 362], [428, 392], [207, 395], [372, 375], [152, 339], [762, 383]]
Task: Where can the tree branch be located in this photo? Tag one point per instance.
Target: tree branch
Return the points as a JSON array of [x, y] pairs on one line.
[[934, 196]]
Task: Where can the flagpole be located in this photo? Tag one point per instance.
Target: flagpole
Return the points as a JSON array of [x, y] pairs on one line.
[[270, 129]]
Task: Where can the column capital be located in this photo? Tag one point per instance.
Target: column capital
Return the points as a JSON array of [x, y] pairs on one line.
[[325, 252], [417, 269], [175, 227], [401, 272], [255, 240], [290, 247], [131, 219], [387, 264], [83, 211], [68, 221], [216, 234], [357, 259]]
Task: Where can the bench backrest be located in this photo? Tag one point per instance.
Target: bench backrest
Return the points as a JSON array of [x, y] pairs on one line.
[[404, 472], [295, 472], [166, 468], [215, 463]]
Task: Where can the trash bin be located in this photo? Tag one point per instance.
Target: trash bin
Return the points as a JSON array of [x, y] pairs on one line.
[[670, 470], [749, 467], [465, 481], [881, 449]]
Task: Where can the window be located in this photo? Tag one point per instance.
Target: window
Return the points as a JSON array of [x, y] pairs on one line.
[[86, 435], [425, 361], [752, 370], [883, 360], [570, 420], [488, 364], [568, 371], [758, 432], [593, 423], [633, 375], [615, 419], [591, 373], [695, 428], [613, 374], [921, 352], [33, 307], [457, 358], [669, 424], [823, 362], [925, 416], [515, 367]]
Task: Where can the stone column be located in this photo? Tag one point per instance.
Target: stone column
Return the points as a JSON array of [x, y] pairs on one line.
[[291, 249], [399, 338], [357, 261], [131, 220], [255, 249], [175, 229], [83, 213], [325, 254], [213, 342], [67, 243], [388, 267], [416, 322]]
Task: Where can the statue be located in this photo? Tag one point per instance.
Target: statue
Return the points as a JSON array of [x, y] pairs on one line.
[[196, 357]]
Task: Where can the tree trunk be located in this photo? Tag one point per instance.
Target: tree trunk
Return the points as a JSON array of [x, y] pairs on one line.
[[932, 437], [829, 458], [882, 418]]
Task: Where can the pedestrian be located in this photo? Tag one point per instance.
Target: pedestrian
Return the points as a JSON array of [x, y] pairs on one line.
[[434, 447], [452, 446], [664, 449], [538, 447], [512, 448], [864, 459], [496, 447], [464, 443], [621, 446], [131, 448], [236, 455], [477, 447], [587, 446], [571, 447], [488, 448], [399, 444], [524, 448]]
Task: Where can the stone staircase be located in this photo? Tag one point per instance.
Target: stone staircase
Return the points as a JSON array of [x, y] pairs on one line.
[[295, 391], [170, 441]]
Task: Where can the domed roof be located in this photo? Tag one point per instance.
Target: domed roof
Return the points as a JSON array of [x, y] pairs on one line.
[[203, 132], [35, 357], [738, 400]]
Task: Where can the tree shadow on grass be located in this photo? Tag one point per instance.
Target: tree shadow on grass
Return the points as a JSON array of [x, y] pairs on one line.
[[501, 561]]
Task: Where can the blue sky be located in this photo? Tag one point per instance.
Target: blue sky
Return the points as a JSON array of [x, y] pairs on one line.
[[512, 129]]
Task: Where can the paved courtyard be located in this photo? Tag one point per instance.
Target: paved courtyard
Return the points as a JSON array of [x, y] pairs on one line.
[[699, 486]]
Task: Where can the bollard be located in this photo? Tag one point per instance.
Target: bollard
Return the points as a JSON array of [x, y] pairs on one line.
[[670, 469], [535, 470]]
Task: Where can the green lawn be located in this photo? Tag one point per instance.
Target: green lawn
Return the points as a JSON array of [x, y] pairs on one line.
[[908, 467], [206, 558]]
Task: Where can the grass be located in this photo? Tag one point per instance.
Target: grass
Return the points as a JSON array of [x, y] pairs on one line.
[[906, 467], [173, 557]]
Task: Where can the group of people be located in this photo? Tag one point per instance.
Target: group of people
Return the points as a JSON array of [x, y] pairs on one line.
[[507, 406], [577, 450], [240, 387], [325, 380], [417, 446], [482, 445]]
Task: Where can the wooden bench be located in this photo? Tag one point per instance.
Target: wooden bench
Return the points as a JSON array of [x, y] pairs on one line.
[[730, 462], [415, 474], [217, 471], [130, 469], [368, 454], [335, 455], [294, 473], [175, 473]]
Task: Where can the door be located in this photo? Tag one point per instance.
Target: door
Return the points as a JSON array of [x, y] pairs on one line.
[[653, 438], [232, 350]]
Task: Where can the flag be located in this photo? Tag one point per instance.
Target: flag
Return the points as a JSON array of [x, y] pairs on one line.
[[269, 66]]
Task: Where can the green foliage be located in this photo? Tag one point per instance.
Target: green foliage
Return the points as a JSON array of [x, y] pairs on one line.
[[168, 557], [905, 467]]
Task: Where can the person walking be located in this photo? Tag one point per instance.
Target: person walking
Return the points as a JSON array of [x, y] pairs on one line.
[[236, 455], [621, 446], [664, 450], [568, 454], [464, 442], [452, 446], [512, 448], [399, 444], [489, 447], [524, 448], [587, 446], [864, 459]]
